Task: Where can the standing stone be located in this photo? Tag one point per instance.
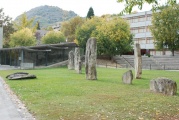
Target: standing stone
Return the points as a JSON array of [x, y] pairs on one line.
[[127, 77], [90, 59], [71, 60], [163, 85], [79, 68], [137, 61], [77, 60]]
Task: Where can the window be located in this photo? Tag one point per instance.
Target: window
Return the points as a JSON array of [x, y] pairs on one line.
[[142, 18], [149, 17], [135, 20], [141, 30], [150, 40]]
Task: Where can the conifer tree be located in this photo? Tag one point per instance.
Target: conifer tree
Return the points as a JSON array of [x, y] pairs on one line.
[[90, 13]]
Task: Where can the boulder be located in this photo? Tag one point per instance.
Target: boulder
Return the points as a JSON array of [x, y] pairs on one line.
[[137, 61], [20, 75], [71, 60], [127, 77], [163, 85], [90, 59]]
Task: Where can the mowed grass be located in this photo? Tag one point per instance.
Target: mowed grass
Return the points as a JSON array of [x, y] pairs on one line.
[[59, 93]]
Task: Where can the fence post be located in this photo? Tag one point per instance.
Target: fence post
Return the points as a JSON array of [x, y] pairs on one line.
[[116, 65], [106, 64], [150, 66], [164, 67]]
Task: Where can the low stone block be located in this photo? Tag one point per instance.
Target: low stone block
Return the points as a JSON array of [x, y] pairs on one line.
[[127, 77], [163, 85]]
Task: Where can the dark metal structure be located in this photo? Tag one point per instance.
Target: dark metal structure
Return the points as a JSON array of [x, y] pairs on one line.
[[41, 55]]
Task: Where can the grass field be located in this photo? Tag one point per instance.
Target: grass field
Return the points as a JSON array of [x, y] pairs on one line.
[[59, 93]]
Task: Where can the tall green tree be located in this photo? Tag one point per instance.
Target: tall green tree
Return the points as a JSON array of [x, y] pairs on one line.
[[113, 37], [53, 37], [23, 37], [130, 4], [90, 13], [7, 28], [165, 28], [68, 28], [38, 25], [84, 32], [24, 22]]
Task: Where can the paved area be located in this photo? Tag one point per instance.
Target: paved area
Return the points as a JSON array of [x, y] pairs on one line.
[[11, 108], [8, 110]]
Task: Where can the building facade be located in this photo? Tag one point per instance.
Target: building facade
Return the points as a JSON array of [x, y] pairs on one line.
[[139, 25]]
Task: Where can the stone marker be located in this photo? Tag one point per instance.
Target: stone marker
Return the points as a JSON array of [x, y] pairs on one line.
[[137, 61], [127, 77], [90, 59], [71, 60], [163, 85], [20, 75], [77, 60]]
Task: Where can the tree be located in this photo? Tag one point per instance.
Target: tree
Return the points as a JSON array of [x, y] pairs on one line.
[[23, 37], [90, 13], [24, 22], [69, 27], [165, 28], [84, 32], [53, 37], [7, 28], [38, 25], [129, 4], [113, 37]]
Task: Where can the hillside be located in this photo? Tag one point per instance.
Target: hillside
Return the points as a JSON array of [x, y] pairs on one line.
[[49, 15]]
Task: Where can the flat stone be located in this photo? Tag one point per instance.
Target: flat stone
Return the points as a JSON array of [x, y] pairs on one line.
[[20, 75]]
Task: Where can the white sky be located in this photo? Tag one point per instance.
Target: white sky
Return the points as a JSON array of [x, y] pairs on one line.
[[13, 8]]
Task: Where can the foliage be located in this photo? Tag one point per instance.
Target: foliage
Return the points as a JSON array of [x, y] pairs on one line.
[[84, 32], [49, 15], [90, 13], [23, 37], [53, 37], [7, 28], [62, 94], [69, 27], [165, 28], [24, 22], [113, 35], [130, 4], [38, 25]]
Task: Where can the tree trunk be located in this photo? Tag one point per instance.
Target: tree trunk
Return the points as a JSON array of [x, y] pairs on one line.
[[172, 52]]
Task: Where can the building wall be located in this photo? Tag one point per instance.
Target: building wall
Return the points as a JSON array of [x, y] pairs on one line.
[[139, 25]]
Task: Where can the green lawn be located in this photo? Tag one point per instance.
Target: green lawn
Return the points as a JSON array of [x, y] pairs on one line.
[[59, 93]]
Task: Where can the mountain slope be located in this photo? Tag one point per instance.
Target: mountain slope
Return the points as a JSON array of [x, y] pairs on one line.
[[49, 15]]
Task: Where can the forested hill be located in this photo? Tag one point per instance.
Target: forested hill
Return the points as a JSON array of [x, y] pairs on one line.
[[49, 15]]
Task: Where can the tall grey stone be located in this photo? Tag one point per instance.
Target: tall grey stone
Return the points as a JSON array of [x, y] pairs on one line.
[[71, 60], [163, 85], [137, 61], [127, 77], [77, 60], [90, 59]]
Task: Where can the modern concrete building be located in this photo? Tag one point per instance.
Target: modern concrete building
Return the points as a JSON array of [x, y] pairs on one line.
[[139, 24]]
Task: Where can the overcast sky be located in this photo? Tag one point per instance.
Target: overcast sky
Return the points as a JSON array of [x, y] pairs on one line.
[[13, 8]]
